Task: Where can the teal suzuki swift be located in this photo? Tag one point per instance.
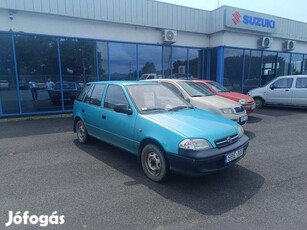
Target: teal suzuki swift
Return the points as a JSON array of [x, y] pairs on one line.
[[166, 132]]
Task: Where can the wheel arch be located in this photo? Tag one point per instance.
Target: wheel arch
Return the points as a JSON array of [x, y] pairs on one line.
[[77, 118]]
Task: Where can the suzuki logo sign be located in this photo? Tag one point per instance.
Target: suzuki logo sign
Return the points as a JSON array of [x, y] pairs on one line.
[[243, 19], [236, 17]]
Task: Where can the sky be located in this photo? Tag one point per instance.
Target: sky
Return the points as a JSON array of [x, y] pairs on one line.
[[291, 9]]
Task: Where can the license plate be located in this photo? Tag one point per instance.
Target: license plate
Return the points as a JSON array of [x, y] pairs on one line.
[[244, 118], [234, 155]]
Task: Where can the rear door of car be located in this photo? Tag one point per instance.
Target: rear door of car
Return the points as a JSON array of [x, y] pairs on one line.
[[300, 92], [118, 127], [280, 91], [92, 110]]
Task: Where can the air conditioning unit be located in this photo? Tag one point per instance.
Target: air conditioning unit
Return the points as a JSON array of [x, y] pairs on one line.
[[265, 42], [289, 45], [169, 36]]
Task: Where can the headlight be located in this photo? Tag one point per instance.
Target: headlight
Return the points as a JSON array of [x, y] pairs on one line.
[[242, 101], [240, 131], [195, 144], [227, 111]]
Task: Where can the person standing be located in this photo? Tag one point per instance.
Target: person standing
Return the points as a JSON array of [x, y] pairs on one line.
[[33, 89], [49, 86]]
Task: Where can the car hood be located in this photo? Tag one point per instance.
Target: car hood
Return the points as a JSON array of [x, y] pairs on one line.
[[196, 123], [213, 103], [236, 96]]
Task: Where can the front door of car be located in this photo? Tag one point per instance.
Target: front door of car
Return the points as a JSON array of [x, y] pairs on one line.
[[118, 127], [280, 91]]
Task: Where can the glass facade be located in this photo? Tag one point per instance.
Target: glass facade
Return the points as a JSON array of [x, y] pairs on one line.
[[43, 74]]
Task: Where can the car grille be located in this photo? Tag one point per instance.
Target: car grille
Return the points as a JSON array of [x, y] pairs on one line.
[[220, 143], [239, 109]]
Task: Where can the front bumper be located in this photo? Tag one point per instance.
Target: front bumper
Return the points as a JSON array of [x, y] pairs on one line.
[[240, 118], [249, 107], [205, 162]]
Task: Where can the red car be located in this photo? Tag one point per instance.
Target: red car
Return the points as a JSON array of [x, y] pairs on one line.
[[247, 102]]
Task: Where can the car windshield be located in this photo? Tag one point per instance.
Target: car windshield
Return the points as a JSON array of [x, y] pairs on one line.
[[218, 87], [66, 85], [195, 89], [151, 98]]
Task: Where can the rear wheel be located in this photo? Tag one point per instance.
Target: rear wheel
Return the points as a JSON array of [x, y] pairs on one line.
[[153, 163], [259, 102], [81, 132]]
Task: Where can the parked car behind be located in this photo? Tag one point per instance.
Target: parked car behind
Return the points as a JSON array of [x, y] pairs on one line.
[[284, 90], [23, 84], [200, 96], [4, 84], [150, 76], [246, 101], [163, 130], [70, 91]]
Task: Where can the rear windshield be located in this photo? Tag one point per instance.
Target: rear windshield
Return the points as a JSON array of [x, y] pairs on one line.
[[66, 85]]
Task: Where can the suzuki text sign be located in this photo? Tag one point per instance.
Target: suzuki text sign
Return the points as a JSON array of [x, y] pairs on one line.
[[248, 20]]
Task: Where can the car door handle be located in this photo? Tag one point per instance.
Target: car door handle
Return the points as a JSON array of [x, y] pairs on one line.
[[82, 110], [287, 90], [104, 117]]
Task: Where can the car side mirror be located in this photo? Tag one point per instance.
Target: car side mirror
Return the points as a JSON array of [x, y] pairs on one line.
[[123, 109], [188, 100], [272, 87]]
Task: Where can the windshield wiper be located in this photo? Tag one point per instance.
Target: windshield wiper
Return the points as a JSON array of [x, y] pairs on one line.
[[199, 95], [153, 109], [181, 107]]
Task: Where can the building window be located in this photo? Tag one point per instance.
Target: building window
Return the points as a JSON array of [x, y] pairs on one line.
[[179, 62], [122, 61], [150, 61], [213, 65], [268, 66], [8, 84], [252, 70], [283, 62], [196, 62], [102, 55], [296, 64], [167, 61], [38, 69], [78, 60], [233, 71]]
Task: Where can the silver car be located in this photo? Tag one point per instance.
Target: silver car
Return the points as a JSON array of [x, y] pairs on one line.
[[284, 90]]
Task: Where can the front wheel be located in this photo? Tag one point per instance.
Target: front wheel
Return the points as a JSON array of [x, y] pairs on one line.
[[259, 102], [81, 132], [153, 163]]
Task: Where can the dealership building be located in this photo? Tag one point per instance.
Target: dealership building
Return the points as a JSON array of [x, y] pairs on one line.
[[73, 42]]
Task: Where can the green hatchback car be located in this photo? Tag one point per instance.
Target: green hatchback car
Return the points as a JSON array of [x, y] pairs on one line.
[[163, 130]]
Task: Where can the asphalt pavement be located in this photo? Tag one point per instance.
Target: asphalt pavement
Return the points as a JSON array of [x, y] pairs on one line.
[[96, 186]]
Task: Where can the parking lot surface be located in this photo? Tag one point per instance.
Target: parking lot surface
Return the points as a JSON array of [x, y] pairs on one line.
[[96, 186]]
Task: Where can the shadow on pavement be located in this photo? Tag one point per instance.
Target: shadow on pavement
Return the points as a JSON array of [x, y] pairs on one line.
[[35, 127], [250, 134], [280, 111], [252, 119], [210, 195]]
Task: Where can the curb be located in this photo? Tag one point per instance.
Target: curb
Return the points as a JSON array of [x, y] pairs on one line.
[[41, 117]]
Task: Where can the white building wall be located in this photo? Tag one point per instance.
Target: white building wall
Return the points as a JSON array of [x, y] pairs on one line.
[[93, 29]]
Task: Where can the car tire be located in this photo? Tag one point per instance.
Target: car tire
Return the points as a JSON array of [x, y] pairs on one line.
[[259, 102], [154, 163], [81, 131]]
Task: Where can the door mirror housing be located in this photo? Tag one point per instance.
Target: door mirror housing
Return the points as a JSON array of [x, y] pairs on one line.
[[123, 109], [188, 100], [272, 86]]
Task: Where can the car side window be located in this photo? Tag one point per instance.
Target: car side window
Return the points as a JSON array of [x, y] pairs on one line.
[[283, 83], [115, 96], [88, 94], [96, 96], [173, 88], [301, 83], [82, 93]]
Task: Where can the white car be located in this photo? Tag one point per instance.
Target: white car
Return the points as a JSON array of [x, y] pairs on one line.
[[4, 84], [284, 90], [201, 97]]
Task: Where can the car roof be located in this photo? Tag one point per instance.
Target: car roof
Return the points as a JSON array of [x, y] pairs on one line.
[[165, 80], [123, 82], [295, 76]]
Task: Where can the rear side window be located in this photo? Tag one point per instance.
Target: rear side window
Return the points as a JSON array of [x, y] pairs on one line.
[[88, 94], [301, 83], [83, 93], [283, 83], [115, 96], [96, 95]]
